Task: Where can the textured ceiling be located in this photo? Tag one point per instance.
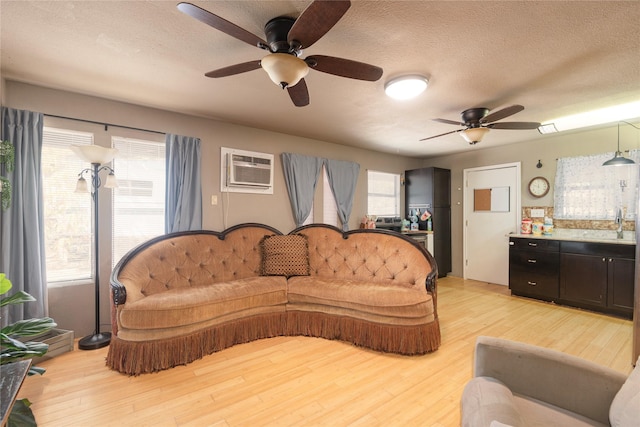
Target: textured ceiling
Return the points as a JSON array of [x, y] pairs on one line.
[[555, 58]]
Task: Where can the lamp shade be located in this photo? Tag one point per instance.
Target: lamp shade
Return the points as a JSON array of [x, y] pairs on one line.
[[81, 186], [284, 69], [618, 160], [94, 153], [111, 181], [474, 135], [405, 87]]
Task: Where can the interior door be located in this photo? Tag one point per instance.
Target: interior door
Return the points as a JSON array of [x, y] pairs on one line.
[[491, 212]]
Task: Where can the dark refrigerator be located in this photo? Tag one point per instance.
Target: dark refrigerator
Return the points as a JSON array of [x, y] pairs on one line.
[[430, 188]]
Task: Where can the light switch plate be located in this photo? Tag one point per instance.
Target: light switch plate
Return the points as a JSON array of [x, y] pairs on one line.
[[214, 200], [537, 213]]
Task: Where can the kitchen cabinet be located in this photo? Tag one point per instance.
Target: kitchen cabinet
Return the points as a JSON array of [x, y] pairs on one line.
[[598, 276], [586, 274], [534, 268], [430, 189]]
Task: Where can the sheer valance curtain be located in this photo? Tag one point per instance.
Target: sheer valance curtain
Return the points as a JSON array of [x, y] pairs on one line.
[[183, 194], [584, 189], [301, 176], [22, 256]]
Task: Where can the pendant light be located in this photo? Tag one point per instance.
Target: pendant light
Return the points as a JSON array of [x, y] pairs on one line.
[[618, 158]]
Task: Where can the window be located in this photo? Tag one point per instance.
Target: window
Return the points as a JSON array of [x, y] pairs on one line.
[[67, 215], [138, 202], [383, 195], [584, 189], [329, 207]]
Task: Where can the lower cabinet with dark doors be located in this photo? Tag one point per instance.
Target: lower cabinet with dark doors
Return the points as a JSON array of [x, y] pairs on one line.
[[598, 276], [595, 276]]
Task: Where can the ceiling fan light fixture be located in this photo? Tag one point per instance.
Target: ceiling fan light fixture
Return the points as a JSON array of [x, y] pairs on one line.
[[474, 135], [406, 87], [284, 69]]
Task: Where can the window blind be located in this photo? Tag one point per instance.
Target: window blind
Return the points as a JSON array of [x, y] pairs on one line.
[[68, 227], [138, 202]]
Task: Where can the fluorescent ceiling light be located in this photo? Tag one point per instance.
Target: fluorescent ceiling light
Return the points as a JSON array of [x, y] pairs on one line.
[[612, 114], [405, 87]]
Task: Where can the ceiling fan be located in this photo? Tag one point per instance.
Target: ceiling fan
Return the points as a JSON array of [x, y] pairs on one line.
[[286, 37], [478, 121]]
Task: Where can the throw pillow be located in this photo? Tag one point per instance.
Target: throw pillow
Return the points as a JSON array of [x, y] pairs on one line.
[[284, 255]]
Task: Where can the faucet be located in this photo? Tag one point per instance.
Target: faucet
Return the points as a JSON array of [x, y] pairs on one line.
[[618, 222]]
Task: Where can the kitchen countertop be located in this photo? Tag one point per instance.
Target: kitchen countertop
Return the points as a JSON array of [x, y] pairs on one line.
[[581, 235]]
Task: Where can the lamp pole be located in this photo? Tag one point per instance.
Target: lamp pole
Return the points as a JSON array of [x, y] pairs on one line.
[[98, 339]]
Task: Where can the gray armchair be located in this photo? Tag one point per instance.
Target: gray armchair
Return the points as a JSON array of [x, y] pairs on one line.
[[517, 384]]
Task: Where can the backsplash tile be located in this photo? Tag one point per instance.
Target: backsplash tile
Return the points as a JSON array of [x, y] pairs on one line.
[[577, 223]]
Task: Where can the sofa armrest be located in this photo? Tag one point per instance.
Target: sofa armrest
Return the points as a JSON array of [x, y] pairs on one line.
[[118, 293], [563, 380]]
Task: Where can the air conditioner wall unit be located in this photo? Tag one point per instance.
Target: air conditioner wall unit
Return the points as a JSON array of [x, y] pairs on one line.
[[246, 171], [249, 171]]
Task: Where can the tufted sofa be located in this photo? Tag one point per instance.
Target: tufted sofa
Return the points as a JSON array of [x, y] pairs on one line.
[[181, 296]]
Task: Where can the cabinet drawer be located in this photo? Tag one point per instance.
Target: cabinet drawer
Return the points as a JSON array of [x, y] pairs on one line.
[[534, 273], [534, 244]]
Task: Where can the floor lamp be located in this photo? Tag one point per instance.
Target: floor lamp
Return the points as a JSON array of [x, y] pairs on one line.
[[97, 156]]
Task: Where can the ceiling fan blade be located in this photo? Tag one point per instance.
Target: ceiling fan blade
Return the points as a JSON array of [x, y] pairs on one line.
[[501, 114], [299, 94], [513, 125], [234, 69], [344, 67], [221, 24], [314, 22], [442, 134], [449, 122]]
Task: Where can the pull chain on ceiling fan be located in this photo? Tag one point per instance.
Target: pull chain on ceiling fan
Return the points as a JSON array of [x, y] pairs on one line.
[[286, 37]]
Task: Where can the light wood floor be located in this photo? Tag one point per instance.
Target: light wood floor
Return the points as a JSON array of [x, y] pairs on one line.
[[300, 381]]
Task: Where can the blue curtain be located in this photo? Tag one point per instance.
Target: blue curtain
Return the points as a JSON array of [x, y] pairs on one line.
[[22, 256], [343, 177], [183, 197], [301, 175]]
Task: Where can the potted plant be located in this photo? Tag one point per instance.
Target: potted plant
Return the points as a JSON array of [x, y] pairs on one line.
[[12, 349], [7, 158], [13, 345]]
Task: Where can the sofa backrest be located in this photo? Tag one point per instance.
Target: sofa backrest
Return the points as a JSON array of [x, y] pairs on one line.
[[192, 258], [367, 255]]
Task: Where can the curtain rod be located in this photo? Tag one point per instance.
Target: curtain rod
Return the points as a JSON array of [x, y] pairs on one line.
[[106, 125]]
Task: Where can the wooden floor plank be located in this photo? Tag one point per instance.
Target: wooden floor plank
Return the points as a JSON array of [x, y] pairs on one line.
[[302, 381]]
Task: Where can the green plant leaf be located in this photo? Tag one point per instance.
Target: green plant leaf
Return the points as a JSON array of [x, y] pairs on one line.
[[29, 327], [36, 370], [11, 343], [21, 415], [19, 297], [33, 349], [5, 284]]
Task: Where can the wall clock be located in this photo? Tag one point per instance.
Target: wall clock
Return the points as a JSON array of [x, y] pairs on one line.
[[538, 186]]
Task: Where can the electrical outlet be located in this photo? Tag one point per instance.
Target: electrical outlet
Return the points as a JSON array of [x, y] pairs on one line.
[[214, 200], [537, 213]]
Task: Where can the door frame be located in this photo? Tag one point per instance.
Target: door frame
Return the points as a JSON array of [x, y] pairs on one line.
[[465, 194]]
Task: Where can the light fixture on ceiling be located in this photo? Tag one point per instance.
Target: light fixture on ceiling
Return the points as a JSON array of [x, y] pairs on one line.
[[284, 69], [406, 87], [97, 156], [601, 116], [618, 158], [474, 135]]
